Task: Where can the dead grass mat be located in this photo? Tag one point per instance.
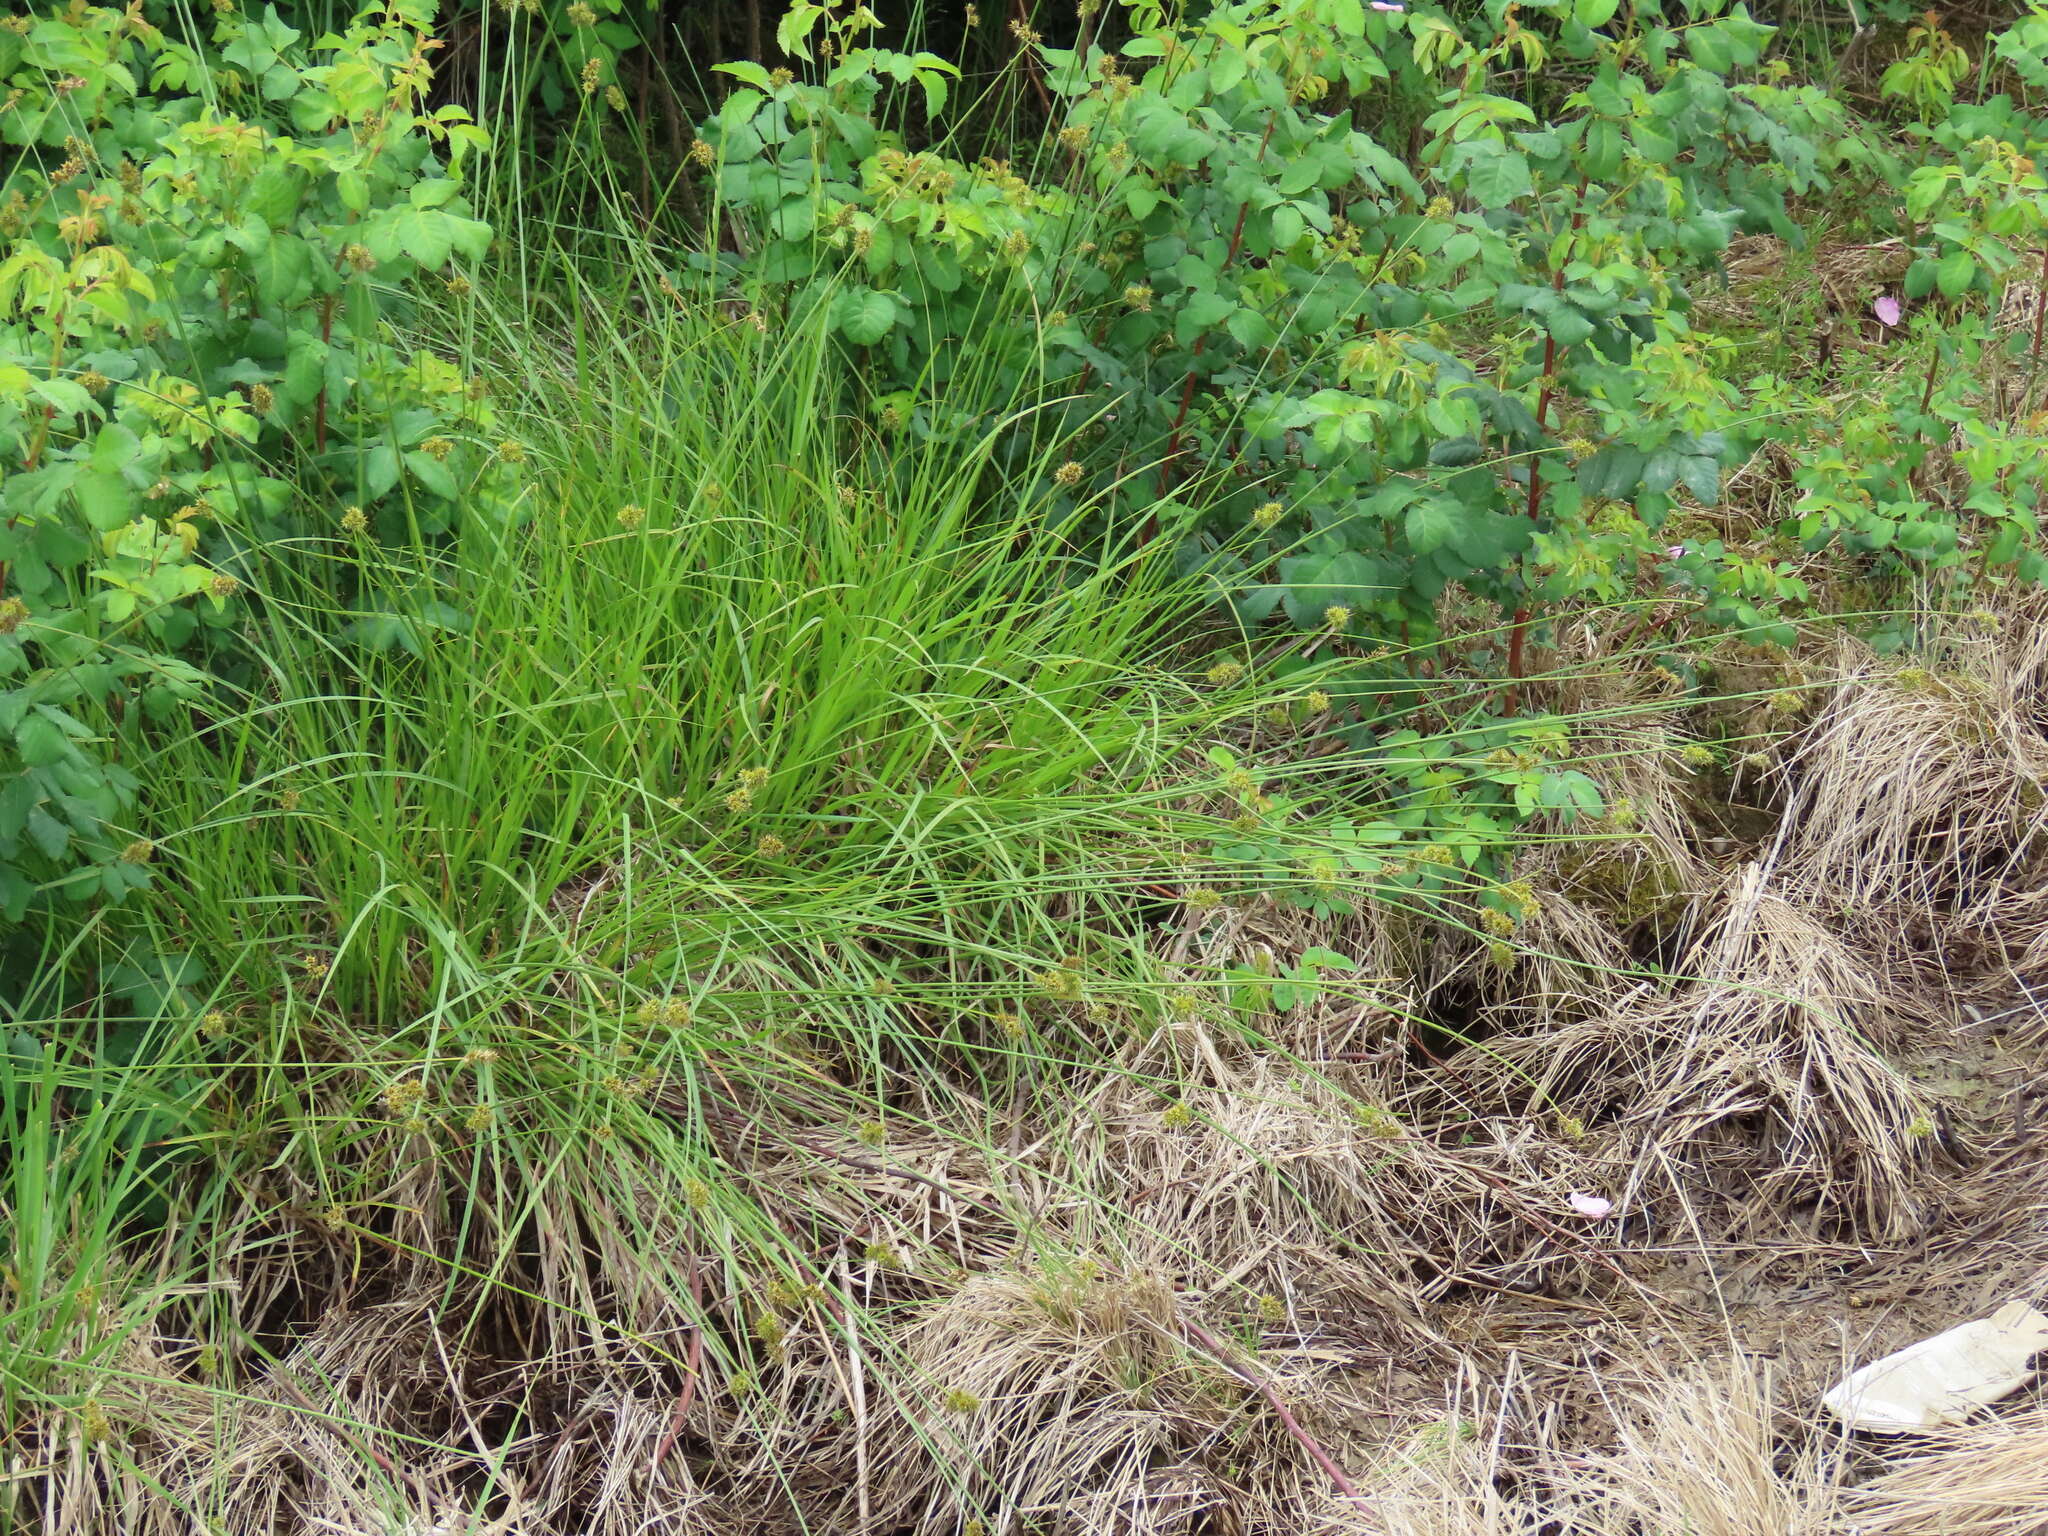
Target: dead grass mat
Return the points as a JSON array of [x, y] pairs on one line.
[[1330, 1280]]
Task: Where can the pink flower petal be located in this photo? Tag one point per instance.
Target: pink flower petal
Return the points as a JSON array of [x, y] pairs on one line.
[[1675, 552], [1887, 310], [1382, 5], [1592, 1207]]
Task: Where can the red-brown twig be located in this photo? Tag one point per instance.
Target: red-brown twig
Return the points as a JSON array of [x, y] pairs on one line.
[[1518, 633], [2040, 313], [1187, 391], [692, 1366], [1216, 1350]]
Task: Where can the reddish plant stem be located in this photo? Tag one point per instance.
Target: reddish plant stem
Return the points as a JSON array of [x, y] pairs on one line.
[[1519, 631], [692, 1365], [320, 403], [2040, 311], [1220, 1353], [1187, 389], [1518, 634], [42, 434]]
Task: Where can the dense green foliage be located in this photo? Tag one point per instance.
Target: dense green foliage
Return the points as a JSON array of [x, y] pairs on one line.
[[1243, 299], [207, 248], [810, 583], [1410, 405]]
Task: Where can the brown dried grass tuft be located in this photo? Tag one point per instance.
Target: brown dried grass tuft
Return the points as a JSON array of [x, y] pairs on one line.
[[1917, 811], [1700, 1449], [1761, 1072], [1987, 1479], [1598, 886], [1061, 1394], [1153, 1293]]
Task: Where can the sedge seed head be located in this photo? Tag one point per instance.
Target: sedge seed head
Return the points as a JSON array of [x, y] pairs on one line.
[[404, 1097], [1060, 984], [631, 516], [1378, 1122], [93, 1423], [1523, 895]]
